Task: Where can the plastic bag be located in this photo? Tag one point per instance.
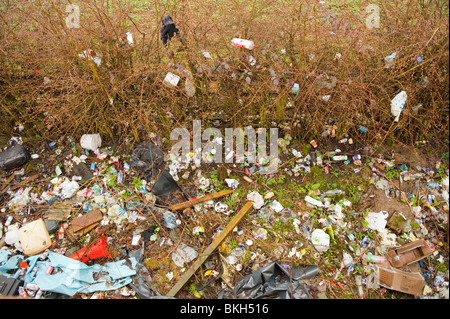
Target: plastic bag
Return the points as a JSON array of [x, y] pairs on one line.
[[274, 281], [320, 240], [397, 104]]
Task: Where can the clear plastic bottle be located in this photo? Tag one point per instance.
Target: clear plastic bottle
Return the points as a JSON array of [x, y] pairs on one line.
[[358, 280], [373, 258]]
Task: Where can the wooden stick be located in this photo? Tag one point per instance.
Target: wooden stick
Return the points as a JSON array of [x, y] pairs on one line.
[[210, 249], [190, 203]]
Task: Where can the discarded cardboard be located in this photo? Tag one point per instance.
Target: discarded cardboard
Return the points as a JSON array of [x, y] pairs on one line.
[[409, 253], [397, 222], [407, 282], [83, 224], [34, 237]]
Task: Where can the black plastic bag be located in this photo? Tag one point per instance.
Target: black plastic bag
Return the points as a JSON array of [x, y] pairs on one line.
[[167, 191], [274, 281], [14, 157], [168, 29], [147, 159]]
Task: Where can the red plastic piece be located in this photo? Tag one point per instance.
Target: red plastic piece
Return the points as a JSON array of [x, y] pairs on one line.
[[95, 251]]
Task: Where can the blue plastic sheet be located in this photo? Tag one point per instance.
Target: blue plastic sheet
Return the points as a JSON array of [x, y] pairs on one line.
[[70, 276]]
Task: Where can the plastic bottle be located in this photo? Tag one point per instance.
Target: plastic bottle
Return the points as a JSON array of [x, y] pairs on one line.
[[333, 192], [373, 258], [243, 43], [358, 280], [14, 157]]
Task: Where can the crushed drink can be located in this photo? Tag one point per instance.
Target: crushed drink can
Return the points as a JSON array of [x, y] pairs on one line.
[[61, 232], [365, 240], [269, 195], [49, 270]]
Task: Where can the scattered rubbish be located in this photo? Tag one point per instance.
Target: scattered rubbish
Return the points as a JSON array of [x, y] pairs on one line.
[[256, 199], [231, 183], [210, 249], [70, 276], [85, 223], [14, 157], [390, 60], [170, 219], [377, 221], [94, 251], [313, 201], [167, 191], [9, 286]]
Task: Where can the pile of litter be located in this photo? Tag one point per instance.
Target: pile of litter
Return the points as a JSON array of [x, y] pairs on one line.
[[93, 224]]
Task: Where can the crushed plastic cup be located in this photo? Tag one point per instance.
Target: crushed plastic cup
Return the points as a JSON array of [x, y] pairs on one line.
[[397, 104]]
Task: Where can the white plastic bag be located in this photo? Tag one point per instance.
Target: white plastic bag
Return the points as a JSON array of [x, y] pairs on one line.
[[171, 79], [256, 199], [91, 142], [320, 240], [377, 221], [397, 104]]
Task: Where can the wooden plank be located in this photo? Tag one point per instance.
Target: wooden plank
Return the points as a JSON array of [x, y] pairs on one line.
[[7, 182], [210, 249], [193, 202]]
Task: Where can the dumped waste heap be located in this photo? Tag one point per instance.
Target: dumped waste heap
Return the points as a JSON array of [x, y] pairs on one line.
[[338, 221]]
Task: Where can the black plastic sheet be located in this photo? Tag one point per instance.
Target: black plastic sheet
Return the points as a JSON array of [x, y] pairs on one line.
[[147, 159], [167, 191], [274, 281]]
